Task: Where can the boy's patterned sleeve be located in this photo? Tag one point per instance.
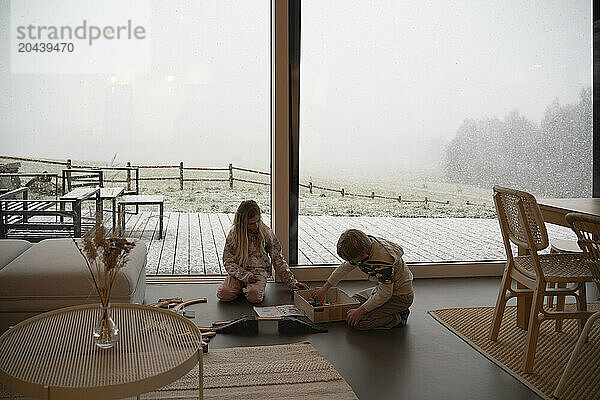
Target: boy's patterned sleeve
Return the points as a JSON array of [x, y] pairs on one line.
[[231, 266], [385, 286], [383, 294], [338, 273], [383, 273], [281, 266]]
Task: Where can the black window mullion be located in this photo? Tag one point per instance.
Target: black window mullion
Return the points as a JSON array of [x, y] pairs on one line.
[[294, 74]]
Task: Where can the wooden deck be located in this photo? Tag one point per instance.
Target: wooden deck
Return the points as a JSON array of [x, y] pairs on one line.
[[193, 243]]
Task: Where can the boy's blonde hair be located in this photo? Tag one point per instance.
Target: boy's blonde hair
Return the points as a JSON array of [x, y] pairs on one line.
[[247, 209], [353, 245]]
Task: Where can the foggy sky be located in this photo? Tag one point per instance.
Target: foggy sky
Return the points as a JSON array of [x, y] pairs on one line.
[[384, 83]]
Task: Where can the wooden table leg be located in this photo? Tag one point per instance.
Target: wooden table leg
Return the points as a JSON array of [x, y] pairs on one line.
[[160, 227], [99, 208], [2, 222], [582, 305], [122, 217], [560, 306], [25, 197], [523, 308], [114, 213], [77, 218], [523, 302], [61, 208]]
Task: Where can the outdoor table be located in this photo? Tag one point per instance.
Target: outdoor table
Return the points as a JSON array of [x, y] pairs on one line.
[[140, 200], [53, 355], [78, 196], [554, 211], [112, 194]]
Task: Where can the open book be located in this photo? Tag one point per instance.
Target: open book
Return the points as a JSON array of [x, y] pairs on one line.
[[278, 311]]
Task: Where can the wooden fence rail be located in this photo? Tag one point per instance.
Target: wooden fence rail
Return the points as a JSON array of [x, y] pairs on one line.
[[231, 179], [251, 170]]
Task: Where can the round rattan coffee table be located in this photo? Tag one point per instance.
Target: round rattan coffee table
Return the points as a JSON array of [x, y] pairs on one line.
[[53, 355]]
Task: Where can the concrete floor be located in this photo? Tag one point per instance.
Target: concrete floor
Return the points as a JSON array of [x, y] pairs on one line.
[[424, 360]]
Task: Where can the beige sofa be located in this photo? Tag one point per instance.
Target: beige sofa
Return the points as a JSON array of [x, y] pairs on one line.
[[39, 277]]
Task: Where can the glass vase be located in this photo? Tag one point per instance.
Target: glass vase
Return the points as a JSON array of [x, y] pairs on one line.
[[106, 332]]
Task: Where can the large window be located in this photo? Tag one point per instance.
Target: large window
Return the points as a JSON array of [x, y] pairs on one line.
[[194, 88], [411, 111]]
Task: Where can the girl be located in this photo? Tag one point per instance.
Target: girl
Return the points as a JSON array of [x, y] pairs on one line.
[[250, 250]]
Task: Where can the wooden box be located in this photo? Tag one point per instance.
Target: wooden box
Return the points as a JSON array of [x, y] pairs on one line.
[[339, 304]]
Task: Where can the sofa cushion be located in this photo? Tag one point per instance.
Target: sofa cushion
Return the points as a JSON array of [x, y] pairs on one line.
[[11, 249], [53, 274]]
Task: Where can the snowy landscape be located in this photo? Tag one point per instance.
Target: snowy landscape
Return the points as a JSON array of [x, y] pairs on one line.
[[217, 197]]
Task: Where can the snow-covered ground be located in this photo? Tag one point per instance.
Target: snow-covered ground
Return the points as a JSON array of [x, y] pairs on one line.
[[218, 197]]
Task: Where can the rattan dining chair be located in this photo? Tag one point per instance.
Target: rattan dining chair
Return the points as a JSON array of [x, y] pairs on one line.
[[587, 228], [521, 223], [561, 246]]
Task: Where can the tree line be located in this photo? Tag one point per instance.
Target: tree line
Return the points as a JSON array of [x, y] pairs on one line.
[[552, 159]]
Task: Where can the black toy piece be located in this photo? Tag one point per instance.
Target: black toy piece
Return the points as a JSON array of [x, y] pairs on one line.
[[292, 325], [248, 325]]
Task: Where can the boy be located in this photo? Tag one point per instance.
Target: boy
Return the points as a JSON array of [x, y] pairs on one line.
[[386, 305]]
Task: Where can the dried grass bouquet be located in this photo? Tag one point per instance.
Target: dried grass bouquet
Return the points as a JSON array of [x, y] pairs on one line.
[[104, 256]]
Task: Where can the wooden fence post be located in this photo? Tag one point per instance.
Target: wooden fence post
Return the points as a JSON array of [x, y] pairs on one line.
[[310, 187], [128, 177], [181, 175], [230, 176], [342, 192]]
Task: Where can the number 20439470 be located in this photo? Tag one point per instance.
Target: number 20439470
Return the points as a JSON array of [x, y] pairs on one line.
[[46, 47]]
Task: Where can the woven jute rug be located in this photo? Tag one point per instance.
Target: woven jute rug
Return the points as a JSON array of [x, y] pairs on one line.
[[553, 350], [292, 371]]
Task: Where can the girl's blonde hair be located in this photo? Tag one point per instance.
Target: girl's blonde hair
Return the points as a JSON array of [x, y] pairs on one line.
[[247, 209]]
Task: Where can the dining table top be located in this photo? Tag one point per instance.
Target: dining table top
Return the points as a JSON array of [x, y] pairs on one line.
[[554, 210]]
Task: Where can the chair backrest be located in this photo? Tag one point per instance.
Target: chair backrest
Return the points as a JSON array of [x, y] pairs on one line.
[[12, 194], [587, 229], [507, 206], [74, 178], [131, 178]]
